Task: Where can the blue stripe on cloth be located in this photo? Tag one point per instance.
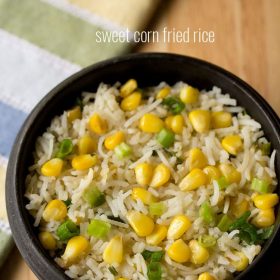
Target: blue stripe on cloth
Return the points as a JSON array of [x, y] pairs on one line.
[[11, 120]]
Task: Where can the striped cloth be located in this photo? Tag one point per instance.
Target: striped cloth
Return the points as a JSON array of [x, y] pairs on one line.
[[41, 43]]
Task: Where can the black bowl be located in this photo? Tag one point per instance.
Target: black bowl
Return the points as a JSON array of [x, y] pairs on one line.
[[148, 69]]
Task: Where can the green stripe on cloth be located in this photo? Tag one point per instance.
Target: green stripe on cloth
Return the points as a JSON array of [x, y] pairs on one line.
[[56, 31], [6, 245]]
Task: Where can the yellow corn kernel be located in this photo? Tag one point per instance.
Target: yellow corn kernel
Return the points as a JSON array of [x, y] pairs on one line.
[[97, 124], [200, 120], [232, 144], [238, 208], [240, 264], [193, 180], [128, 88], [142, 224], [56, 210], [77, 248], [84, 162], [86, 145], [265, 218], [122, 278], [74, 114], [163, 93], [177, 124], [131, 102], [168, 122], [143, 173], [113, 252], [53, 167], [212, 172], [145, 196], [178, 226], [230, 172], [206, 276], [197, 159], [157, 235], [151, 123], [199, 254], [189, 95], [161, 176], [221, 119], [179, 251], [112, 141], [266, 201], [47, 240]]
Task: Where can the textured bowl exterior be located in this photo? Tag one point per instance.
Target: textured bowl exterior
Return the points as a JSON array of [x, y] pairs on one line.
[[148, 69]]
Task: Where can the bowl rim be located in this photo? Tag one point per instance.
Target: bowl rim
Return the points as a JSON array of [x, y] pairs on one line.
[[24, 238]]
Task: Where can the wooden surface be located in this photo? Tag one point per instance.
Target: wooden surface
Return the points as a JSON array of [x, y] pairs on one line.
[[247, 43]]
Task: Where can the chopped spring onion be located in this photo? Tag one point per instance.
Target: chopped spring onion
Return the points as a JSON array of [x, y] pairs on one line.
[[93, 196], [247, 232], [222, 183], [207, 240], [206, 212], [165, 137], [154, 271], [98, 228], [79, 102], [113, 270], [240, 221], [155, 256], [146, 255], [224, 223], [123, 150], [157, 208], [266, 232], [174, 105], [67, 202], [67, 230], [265, 148], [65, 148], [260, 185]]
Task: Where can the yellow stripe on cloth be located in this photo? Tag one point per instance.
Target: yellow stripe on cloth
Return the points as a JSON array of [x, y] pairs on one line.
[[133, 14], [3, 213]]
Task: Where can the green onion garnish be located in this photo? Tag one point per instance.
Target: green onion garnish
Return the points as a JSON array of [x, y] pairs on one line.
[[206, 212], [222, 183], [165, 137], [259, 185], [174, 105], [266, 232], [67, 230], [207, 240], [113, 270], [247, 231], [93, 196], [67, 202], [265, 148], [98, 228], [224, 223], [157, 208], [155, 256], [146, 255], [65, 148], [240, 221], [123, 150], [154, 271], [79, 103]]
